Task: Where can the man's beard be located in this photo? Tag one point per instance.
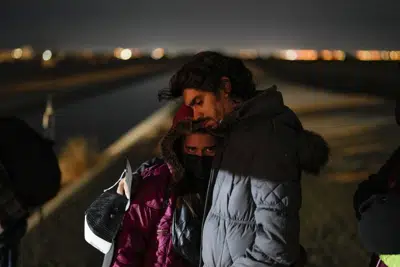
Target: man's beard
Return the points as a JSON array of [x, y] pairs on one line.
[[206, 123], [217, 131]]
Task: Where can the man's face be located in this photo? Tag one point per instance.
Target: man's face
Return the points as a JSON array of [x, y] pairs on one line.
[[206, 105]]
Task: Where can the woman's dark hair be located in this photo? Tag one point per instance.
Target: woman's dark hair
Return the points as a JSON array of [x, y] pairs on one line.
[[204, 72]]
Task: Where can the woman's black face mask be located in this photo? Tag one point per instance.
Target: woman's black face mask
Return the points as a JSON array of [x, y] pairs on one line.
[[197, 171]]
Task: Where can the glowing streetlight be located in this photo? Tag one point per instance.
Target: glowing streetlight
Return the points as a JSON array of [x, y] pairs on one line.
[[46, 56], [327, 55], [126, 54], [339, 55], [157, 53], [291, 55], [17, 53]]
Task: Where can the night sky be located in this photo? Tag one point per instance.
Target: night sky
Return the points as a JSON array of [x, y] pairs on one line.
[[206, 24]]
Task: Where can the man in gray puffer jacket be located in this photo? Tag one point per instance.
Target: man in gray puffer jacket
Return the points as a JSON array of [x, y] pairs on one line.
[[254, 195]]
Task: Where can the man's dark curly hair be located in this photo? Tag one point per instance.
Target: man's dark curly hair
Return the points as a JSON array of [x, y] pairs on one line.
[[204, 72]]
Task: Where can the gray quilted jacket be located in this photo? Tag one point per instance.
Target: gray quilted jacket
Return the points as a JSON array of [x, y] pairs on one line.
[[255, 191]]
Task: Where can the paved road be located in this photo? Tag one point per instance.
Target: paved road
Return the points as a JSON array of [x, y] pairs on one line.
[[104, 117], [361, 133], [23, 97]]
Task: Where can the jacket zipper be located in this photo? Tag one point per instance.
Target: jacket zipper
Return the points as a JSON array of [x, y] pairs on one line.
[[162, 232], [213, 176]]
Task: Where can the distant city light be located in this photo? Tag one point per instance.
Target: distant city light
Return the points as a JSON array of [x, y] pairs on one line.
[[291, 55], [248, 53], [375, 55], [394, 55], [17, 53], [339, 55], [87, 53], [310, 55], [385, 55], [117, 52], [368, 55], [302, 55], [327, 55], [27, 52], [136, 52], [47, 55], [157, 53], [125, 54]]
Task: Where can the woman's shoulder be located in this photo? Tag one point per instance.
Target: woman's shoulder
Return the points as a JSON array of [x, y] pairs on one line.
[[154, 184]]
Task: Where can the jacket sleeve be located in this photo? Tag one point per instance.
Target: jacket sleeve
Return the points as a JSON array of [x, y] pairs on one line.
[[376, 183], [278, 226], [147, 164], [133, 239]]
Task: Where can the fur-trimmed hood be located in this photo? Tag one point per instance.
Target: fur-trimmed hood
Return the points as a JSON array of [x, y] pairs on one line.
[[171, 146], [312, 151]]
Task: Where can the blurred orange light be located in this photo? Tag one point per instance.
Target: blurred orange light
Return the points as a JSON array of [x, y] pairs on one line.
[[375, 55], [312, 55], [87, 53], [136, 52], [339, 55], [385, 55], [360, 55], [307, 55], [248, 53], [17, 53], [394, 55], [327, 55], [368, 55], [157, 53], [290, 55], [117, 52]]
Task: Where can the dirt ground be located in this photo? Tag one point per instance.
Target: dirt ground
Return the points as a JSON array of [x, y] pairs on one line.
[[329, 229]]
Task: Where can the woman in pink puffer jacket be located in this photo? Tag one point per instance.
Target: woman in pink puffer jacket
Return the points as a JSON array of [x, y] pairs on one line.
[[166, 194]]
